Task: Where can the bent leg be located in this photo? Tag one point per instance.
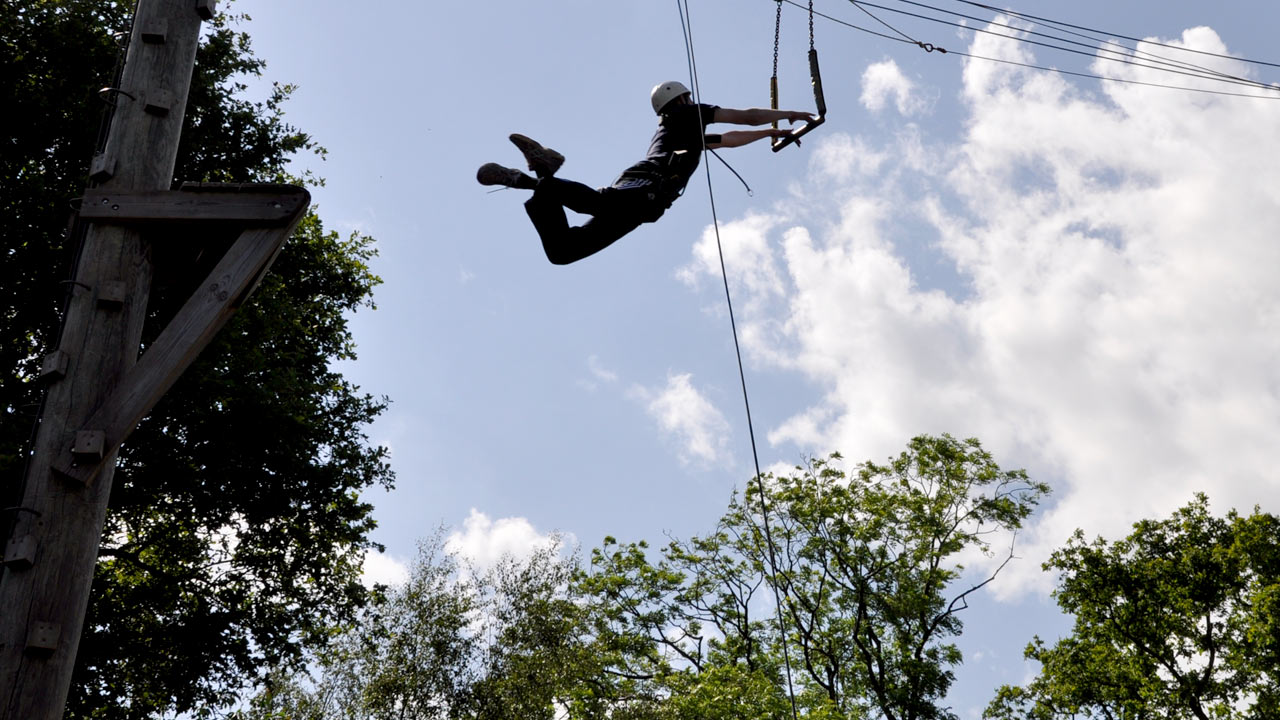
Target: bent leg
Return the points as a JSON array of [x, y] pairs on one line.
[[551, 197], [573, 195], [595, 235], [564, 244]]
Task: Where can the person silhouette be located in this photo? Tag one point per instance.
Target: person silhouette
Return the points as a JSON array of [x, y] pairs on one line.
[[644, 191]]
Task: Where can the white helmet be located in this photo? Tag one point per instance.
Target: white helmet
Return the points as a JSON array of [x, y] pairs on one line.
[[665, 93]]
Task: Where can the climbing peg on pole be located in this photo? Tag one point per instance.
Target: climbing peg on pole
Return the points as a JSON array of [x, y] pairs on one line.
[[154, 31], [21, 553], [111, 294], [90, 445], [103, 167], [43, 638], [54, 366], [206, 8]]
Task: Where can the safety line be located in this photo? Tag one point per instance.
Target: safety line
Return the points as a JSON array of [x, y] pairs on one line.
[[686, 26]]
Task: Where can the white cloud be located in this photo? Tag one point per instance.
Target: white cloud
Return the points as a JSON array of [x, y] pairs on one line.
[[1116, 323], [685, 414], [484, 540], [883, 82], [380, 568], [748, 259], [843, 158], [599, 374]]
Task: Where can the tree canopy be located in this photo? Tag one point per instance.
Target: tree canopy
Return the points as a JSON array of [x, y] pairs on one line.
[[236, 530], [866, 565], [1180, 619]]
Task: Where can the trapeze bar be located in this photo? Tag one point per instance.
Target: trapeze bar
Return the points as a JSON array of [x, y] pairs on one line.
[[819, 99]]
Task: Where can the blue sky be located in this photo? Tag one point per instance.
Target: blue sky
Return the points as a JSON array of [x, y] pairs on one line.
[[1081, 274]]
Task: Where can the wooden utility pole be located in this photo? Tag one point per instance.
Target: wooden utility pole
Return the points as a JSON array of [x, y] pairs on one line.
[[99, 386]]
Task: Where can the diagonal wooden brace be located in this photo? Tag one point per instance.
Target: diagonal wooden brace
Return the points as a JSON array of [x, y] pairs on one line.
[[190, 331]]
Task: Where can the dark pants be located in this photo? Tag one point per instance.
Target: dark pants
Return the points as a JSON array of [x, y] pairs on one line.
[[614, 212]]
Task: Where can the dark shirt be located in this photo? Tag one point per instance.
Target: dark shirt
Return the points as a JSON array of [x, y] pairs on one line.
[[674, 152]]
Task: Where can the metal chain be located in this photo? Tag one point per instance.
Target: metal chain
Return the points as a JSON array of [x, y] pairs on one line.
[[810, 24], [777, 33]]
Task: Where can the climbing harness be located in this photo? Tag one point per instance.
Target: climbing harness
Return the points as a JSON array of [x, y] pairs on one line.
[[815, 76]]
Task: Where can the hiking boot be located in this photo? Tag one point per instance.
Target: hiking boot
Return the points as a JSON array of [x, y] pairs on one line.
[[495, 174], [542, 161]]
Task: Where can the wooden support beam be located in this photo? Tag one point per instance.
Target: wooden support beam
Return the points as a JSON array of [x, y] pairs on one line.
[[44, 593], [255, 205], [234, 278]]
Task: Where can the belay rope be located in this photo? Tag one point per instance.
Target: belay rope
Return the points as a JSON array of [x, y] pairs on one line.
[[686, 24]]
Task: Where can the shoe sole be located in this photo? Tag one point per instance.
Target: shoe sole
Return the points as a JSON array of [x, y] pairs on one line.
[[542, 160], [495, 174]]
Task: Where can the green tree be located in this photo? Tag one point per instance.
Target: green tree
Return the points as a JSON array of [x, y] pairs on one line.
[[534, 653], [869, 565], [867, 569], [452, 642], [1179, 619], [236, 531], [866, 564]]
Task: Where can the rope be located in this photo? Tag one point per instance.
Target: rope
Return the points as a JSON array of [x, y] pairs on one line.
[[686, 26]]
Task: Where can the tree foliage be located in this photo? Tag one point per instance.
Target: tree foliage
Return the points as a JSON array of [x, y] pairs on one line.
[[452, 641], [1178, 620], [236, 531], [866, 566]]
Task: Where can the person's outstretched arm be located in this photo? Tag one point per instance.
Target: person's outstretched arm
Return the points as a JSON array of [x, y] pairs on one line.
[[759, 116], [738, 138]]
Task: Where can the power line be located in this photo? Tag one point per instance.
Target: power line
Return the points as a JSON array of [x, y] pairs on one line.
[[1124, 59], [1124, 81], [1031, 66], [871, 15], [1026, 16], [1093, 44]]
